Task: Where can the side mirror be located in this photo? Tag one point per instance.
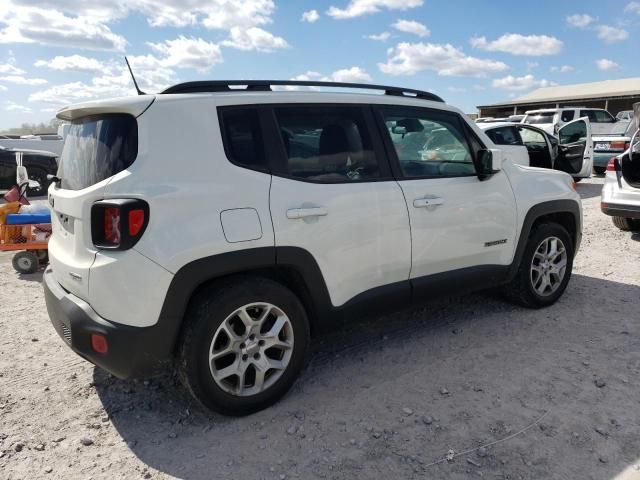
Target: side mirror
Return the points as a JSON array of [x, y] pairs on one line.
[[489, 162]]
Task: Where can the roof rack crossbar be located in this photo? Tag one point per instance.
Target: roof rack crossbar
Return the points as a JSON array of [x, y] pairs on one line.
[[265, 85]]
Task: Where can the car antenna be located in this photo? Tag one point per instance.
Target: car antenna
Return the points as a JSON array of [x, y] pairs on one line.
[[140, 92]]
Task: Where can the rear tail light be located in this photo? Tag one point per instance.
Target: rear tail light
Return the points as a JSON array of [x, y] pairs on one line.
[[99, 343], [618, 145], [613, 165], [118, 224]]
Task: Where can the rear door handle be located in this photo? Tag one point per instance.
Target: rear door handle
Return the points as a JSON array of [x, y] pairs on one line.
[[427, 202], [295, 213]]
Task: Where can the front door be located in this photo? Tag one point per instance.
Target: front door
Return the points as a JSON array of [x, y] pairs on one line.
[[457, 221], [332, 194], [575, 149]]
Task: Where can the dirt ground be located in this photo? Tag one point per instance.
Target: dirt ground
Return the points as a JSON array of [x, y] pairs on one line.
[[505, 392]]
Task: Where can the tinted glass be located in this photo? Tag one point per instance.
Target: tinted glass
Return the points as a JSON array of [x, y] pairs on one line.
[[243, 138], [603, 116], [573, 133], [428, 144], [327, 144], [504, 136], [567, 115], [539, 118], [97, 148]]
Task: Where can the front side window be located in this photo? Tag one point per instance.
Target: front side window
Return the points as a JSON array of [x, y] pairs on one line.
[[428, 143], [602, 116], [532, 137], [573, 133], [242, 137], [504, 136], [329, 144]]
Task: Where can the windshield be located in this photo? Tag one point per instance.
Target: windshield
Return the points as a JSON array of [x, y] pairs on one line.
[[538, 118], [97, 148]]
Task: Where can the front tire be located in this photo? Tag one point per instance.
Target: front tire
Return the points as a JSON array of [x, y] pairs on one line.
[[599, 170], [545, 267], [246, 342], [626, 224]]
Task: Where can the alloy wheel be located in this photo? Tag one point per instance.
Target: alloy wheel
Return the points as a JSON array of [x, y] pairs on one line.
[[251, 349], [548, 266]]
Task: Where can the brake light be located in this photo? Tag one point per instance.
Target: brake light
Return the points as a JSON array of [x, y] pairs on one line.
[[618, 145], [613, 165], [118, 224]]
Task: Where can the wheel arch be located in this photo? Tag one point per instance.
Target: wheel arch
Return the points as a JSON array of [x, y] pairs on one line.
[[563, 212], [295, 268]]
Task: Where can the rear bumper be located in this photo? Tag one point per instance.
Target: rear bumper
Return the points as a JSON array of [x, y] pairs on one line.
[[618, 210], [132, 352], [601, 159]]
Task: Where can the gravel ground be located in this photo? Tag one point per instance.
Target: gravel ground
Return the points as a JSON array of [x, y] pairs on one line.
[[464, 388]]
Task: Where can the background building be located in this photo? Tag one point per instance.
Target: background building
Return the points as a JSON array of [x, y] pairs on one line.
[[613, 95]]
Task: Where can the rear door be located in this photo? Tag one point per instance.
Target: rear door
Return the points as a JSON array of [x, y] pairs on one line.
[[332, 194], [96, 148], [575, 149]]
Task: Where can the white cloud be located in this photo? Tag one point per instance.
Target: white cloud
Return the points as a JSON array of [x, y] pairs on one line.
[[311, 16], [356, 8], [185, 52], [22, 24], [16, 107], [633, 7], [562, 69], [532, 65], [353, 74], [580, 20], [610, 34], [516, 44], [3, 88], [10, 69], [411, 26], [411, 58], [381, 37], [20, 80], [606, 64], [83, 23], [72, 62], [254, 38], [520, 83]]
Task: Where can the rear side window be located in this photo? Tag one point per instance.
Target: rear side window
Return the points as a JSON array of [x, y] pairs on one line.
[[242, 137], [96, 148], [504, 136], [567, 115], [327, 143]]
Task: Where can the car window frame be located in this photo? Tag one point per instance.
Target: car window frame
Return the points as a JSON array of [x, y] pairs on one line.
[[277, 155], [262, 140], [465, 130]]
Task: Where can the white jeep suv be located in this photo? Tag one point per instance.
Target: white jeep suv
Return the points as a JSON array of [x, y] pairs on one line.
[[215, 229]]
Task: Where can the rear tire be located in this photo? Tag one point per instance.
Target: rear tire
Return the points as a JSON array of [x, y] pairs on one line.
[[25, 262], [626, 224], [255, 328], [543, 275], [599, 170]]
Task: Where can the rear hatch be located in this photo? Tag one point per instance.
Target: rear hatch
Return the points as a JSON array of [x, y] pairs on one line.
[[102, 141]]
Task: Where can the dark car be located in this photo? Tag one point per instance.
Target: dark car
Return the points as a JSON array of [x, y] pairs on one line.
[[39, 164]]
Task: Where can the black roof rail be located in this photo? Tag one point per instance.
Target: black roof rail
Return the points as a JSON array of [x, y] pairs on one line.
[[265, 86]]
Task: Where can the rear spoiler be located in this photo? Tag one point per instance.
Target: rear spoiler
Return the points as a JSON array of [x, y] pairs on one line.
[[132, 105]]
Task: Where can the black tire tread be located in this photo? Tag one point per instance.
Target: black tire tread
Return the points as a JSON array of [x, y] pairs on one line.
[[35, 263], [626, 224]]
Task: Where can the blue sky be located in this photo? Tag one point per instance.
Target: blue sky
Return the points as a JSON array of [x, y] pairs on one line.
[[471, 52]]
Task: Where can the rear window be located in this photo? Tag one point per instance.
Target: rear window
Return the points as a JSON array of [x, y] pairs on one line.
[[96, 148], [539, 118], [242, 137]]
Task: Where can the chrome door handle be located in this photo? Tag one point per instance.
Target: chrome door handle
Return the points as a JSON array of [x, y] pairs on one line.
[[427, 202], [295, 213]]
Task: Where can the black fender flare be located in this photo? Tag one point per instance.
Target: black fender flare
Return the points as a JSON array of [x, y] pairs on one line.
[[535, 213]]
